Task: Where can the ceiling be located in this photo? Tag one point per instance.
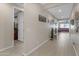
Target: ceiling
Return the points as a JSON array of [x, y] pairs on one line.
[[16, 11], [59, 10], [20, 5]]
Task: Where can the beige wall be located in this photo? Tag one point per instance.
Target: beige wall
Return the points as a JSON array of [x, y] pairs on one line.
[[74, 34], [6, 26], [20, 26], [35, 32]]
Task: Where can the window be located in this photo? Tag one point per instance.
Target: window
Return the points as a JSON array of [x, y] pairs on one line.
[[64, 25]]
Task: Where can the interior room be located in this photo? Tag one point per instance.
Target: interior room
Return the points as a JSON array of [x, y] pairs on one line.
[[39, 29]]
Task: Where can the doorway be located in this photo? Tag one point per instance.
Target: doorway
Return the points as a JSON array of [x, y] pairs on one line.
[[18, 26]]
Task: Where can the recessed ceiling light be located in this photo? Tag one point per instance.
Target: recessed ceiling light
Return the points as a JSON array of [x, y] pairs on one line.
[[59, 10]]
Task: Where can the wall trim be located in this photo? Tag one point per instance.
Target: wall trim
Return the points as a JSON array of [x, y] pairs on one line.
[[34, 49], [75, 50], [3, 49]]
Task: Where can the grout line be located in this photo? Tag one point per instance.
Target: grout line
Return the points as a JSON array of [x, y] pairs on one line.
[[75, 50]]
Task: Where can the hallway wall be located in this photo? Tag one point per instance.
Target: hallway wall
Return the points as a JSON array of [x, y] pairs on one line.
[[6, 26], [20, 26], [75, 35], [35, 32]]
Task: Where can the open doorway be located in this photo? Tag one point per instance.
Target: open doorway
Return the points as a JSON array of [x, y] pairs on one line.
[[18, 26]]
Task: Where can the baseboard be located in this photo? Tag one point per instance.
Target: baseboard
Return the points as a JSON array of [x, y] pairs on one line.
[[26, 54], [3, 49], [75, 50]]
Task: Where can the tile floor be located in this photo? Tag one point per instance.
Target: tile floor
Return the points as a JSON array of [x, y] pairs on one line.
[[75, 39], [55, 47], [59, 47], [17, 50]]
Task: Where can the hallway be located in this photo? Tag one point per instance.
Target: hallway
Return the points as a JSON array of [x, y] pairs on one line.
[[60, 47], [37, 23]]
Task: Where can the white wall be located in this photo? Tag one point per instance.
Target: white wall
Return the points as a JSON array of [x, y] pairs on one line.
[[35, 32], [20, 26], [76, 35], [6, 26], [15, 21], [73, 34]]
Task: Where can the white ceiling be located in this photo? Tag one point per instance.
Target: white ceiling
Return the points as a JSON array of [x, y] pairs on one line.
[[16, 11], [20, 5], [59, 10], [48, 5]]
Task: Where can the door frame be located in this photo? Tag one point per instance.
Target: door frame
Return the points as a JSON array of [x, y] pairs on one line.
[[13, 22]]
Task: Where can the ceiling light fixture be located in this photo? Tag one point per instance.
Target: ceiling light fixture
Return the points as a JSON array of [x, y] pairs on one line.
[[59, 10]]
